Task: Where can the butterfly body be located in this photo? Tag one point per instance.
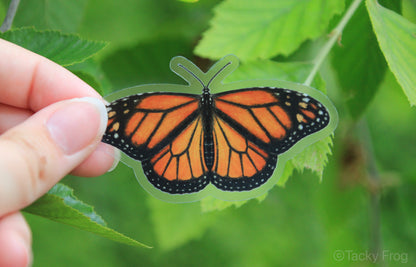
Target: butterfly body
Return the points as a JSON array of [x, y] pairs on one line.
[[206, 107], [231, 139]]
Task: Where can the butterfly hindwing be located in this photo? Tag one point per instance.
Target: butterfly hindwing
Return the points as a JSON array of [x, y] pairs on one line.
[[180, 167], [239, 164]]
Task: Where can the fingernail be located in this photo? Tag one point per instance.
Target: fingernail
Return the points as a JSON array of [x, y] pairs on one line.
[[111, 152], [19, 247], [29, 255], [77, 124], [117, 156]]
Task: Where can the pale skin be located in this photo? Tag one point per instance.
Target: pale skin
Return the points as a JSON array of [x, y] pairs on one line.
[[43, 136]]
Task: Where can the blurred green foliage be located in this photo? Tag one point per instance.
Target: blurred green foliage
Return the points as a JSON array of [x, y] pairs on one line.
[[304, 223]]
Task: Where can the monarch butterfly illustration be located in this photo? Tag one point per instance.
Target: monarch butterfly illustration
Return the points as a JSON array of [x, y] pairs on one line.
[[231, 139]]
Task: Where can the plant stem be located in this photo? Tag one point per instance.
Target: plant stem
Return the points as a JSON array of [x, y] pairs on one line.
[[8, 20], [336, 32], [374, 188]]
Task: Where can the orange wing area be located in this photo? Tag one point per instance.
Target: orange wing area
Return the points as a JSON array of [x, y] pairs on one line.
[[179, 167], [239, 164], [272, 118], [246, 131], [252, 126], [143, 123], [249, 97]]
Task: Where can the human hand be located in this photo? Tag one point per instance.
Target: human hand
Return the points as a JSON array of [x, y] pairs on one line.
[[43, 137]]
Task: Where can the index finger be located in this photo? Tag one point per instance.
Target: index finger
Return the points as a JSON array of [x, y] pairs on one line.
[[30, 81]]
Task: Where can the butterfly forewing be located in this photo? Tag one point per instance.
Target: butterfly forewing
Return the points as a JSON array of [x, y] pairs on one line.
[[272, 118], [142, 124]]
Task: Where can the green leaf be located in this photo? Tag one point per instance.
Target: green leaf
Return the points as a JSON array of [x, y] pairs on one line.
[[67, 195], [90, 80], [396, 125], [263, 28], [397, 40], [314, 157], [177, 224], [272, 70], [360, 58], [394, 5], [122, 23], [57, 14], [287, 172], [64, 49], [144, 63], [90, 71], [60, 205], [409, 10], [209, 204], [3, 11]]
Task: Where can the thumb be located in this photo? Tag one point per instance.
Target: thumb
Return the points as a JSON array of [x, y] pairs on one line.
[[39, 152]]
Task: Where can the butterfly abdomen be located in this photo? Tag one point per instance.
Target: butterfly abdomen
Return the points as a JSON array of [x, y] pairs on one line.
[[206, 105], [209, 150]]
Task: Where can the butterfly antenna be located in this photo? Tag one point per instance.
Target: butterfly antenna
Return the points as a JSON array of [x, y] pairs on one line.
[[193, 74], [199, 80], [218, 72]]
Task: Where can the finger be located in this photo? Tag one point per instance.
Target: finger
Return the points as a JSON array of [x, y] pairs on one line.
[[33, 82], [40, 151], [15, 241], [12, 116], [102, 160], [98, 163]]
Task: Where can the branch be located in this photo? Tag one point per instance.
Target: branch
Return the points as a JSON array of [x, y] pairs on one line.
[[336, 32], [11, 12]]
